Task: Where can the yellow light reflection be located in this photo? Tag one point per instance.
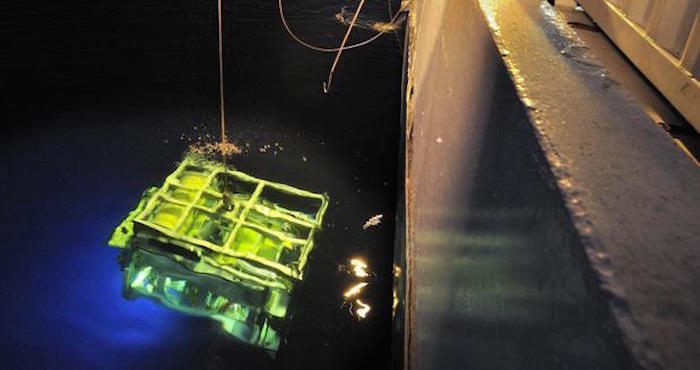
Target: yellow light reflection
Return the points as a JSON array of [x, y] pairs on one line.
[[363, 310], [354, 290], [397, 271], [359, 268]]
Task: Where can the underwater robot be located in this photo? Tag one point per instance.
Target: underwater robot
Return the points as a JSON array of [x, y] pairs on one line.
[[219, 243]]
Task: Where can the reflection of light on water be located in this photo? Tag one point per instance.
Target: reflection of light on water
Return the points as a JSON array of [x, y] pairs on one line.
[[361, 312], [359, 268], [395, 296], [354, 290]]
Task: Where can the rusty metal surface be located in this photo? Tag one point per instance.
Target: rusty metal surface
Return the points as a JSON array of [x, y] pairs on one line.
[[552, 225]]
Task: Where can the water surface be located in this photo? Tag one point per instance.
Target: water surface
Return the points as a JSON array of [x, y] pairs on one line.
[[105, 100]]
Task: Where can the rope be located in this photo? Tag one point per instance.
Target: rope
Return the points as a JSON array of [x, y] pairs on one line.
[[221, 78], [221, 94], [333, 50], [327, 85]]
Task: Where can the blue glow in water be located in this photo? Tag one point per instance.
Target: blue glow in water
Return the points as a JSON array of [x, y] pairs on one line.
[[67, 310], [104, 127]]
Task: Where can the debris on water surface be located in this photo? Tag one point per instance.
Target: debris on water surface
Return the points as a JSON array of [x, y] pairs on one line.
[[274, 148], [373, 221], [207, 149], [346, 14], [438, 140]]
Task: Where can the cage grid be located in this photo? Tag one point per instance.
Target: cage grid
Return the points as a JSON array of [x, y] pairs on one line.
[[210, 239]]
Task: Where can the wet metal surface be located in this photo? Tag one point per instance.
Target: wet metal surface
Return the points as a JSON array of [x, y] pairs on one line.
[[555, 226], [498, 276], [631, 191]]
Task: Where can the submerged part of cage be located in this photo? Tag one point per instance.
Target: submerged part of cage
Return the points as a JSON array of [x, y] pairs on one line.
[[219, 243]]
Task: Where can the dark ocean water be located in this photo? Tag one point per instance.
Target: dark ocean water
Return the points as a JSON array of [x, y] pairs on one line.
[[102, 99]]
